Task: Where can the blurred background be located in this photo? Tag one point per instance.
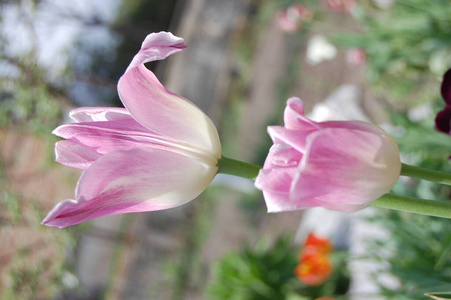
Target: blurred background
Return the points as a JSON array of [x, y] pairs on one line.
[[374, 60]]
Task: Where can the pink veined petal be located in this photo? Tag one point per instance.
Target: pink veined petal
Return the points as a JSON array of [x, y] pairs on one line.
[[346, 169], [275, 179], [276, 185], [294, 116], [295, 120], [293, 138], [134, 180], [104, 137], [95, 114], [74, 155], [160, 110], [297, 138], [280, 202], [107, 136], [356, 125], [283, 156]]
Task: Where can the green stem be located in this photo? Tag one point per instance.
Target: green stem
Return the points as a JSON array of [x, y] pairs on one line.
[[415, 205], [426, 174], [238, 168], [408, 204]]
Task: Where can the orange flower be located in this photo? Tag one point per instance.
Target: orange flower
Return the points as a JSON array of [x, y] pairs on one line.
[[314, 268], [318, 243]]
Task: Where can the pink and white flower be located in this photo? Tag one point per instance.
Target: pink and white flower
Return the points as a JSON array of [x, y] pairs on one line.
[[355, 56], [340, 165], [341, 6], [290, 19], [158, 152]]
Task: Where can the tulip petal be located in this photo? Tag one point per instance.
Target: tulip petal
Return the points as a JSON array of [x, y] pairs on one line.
[[104, 137], [355, 125], [283, 156], [134, 180], [446, 87], [276, 185], [276, 177], [293, 138], [107, 136], [294, 116], [297, 138], [160, 110], [96, 114], [279, 169], [346, 169], [280, 202], [74, 155]]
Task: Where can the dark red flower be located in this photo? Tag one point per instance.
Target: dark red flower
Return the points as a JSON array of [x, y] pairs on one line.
[[446, 87], [443, 118]]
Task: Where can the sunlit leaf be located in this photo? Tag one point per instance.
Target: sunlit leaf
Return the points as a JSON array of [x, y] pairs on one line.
[[439, 295]]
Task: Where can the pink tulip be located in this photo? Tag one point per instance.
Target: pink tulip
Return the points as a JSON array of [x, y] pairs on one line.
[[158, 152], [341, 165]]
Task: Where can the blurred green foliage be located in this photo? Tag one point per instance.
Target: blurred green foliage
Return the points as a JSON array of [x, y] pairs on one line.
[[266, 272], [259, 273], [34, 259], [418, 251], [422, 146], [27, 100], [407, 46]]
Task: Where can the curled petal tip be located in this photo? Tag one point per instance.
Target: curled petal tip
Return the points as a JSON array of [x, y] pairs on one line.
[[157, 46], [53, 218], [294, 116], [295, 101]]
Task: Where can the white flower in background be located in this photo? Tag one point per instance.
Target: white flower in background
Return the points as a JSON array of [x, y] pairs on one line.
[[439, 62], [384, 4], [421, 112], [319, 49]]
